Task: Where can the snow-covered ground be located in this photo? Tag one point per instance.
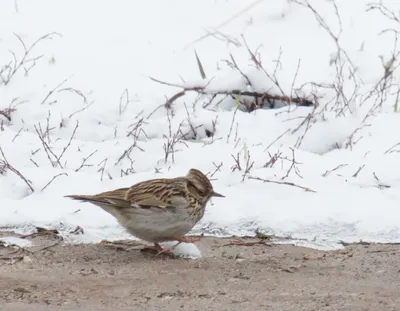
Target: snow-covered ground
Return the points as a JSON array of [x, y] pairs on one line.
[[90, 82]]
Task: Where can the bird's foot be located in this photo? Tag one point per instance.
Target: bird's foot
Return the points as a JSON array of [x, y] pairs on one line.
[[156, 248]]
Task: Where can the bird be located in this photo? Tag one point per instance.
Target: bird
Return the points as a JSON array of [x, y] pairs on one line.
[[158, 210]]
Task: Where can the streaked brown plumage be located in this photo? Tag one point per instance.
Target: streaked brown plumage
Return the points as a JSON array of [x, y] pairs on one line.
[[158, 210]]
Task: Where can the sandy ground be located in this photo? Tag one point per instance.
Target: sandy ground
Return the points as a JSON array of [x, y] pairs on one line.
[[253, 277]]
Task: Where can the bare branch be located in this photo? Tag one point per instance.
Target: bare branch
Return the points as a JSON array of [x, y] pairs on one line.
[[272, 159], [217, 169], [172, 140], [237, 165], [48, 184], [135, 132], [281, 183], [124, 101], [248, 166], [334, 169], [47, 149], [279, 137], [69, 142], [293, 166], [16, 135], [7, 113], [258, 96], [358, 171], [102, 168], [233, 118], [5, 165], [392, 149], [84, 161], [51, 92], [10, 70]]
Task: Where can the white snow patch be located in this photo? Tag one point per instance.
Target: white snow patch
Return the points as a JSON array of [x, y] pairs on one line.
[[184, 250], [12, 240]]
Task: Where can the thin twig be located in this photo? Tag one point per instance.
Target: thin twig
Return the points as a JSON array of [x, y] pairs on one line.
[[54, 177], [47, 149], [53, 90], [282, 183], [358, 171], [14, 170], [84, 161], [279, 137], [69, 142]]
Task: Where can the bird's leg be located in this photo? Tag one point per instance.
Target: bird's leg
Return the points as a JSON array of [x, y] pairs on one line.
[[156, 247]]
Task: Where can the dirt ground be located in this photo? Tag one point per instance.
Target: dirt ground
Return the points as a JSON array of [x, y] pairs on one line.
[[56, 276]]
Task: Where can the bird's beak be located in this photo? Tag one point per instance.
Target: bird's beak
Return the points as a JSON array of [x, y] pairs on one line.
[[216, 194]]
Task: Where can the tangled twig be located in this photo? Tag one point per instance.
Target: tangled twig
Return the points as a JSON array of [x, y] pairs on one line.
[[4, 165]]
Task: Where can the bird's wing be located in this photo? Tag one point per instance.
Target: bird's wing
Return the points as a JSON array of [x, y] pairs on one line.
[[157, 194]]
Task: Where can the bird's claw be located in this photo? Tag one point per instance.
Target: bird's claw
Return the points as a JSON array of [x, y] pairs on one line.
[[158, 250]]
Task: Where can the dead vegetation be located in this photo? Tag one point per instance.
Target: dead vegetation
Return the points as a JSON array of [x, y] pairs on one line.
[[5, 166], [25, 62], [259, 99]]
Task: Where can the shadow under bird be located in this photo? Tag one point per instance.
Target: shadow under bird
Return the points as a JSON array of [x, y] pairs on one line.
[[158, 210]]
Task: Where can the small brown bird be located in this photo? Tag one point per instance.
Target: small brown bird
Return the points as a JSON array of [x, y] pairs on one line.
[[158, 210]]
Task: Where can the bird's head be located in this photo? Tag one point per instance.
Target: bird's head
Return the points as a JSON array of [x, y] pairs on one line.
[[202, 184]]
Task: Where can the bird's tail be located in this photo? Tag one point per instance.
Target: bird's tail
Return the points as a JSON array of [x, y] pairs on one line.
[[83, 198], [111, 206], [105, 200]]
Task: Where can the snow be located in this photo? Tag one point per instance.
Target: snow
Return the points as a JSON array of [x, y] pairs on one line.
[[92, 84], [11, 240], [184, 250]]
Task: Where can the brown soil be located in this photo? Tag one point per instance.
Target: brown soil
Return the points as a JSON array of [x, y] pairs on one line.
[[259, 277]]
